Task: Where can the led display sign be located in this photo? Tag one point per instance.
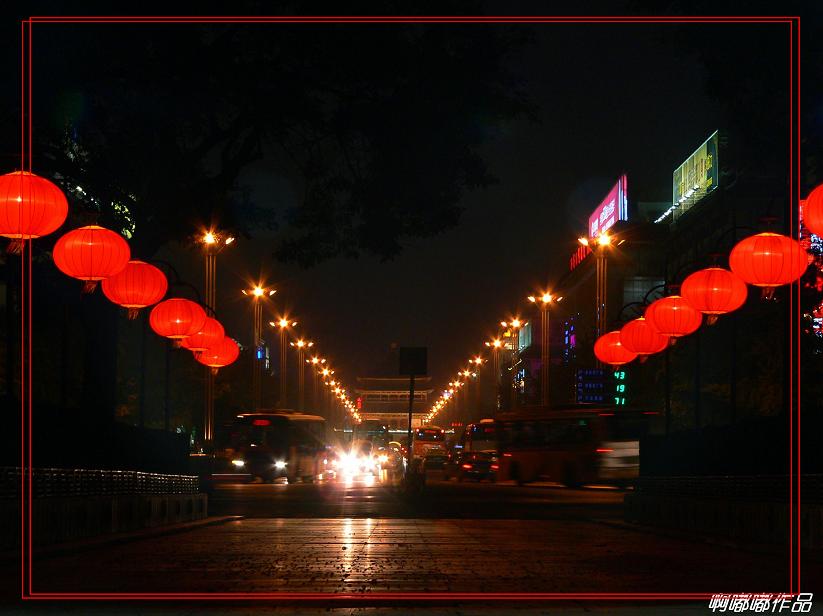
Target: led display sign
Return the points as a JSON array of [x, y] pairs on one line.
[[613, 208], [694, 179]]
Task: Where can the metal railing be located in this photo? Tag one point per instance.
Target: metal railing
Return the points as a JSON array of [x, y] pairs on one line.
[[61, 482], [764, 488]]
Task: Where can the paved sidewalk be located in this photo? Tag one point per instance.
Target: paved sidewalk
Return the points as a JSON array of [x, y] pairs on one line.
[[395, 555]]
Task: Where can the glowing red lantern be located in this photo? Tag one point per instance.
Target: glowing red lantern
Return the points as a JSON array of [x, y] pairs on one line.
[[220, 355], [139, 285], [91, 254], [609, 350], [177, 318], [673, 316], [640, 337], [30, 206], [714, 291], [768, 260], [813, 211], [209, 336]]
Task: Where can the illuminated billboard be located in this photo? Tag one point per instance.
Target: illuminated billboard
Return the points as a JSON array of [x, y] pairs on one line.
[[613, 208], [694, 179]]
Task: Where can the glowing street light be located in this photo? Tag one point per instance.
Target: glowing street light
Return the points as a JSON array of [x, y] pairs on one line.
[[284, 323]]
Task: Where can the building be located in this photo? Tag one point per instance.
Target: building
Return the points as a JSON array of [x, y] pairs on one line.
[[386, 399]]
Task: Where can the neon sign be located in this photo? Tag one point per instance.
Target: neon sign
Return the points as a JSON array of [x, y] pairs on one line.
[[613, 208]]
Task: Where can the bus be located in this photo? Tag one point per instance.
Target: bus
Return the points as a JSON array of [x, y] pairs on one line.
[[428, 439], [574, 446], [480, 436], [270, 445]]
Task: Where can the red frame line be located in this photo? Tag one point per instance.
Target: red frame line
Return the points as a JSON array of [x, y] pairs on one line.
[[26, 311]]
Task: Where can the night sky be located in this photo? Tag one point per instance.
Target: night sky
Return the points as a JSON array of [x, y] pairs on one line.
[[635, 108], [610, 98]]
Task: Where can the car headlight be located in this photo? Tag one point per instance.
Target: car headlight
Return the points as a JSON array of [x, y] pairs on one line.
[[239, 463], [280, 465]]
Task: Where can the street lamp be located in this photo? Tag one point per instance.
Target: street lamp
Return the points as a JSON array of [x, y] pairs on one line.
[[543, 300], [515, 324], [315, 363], [212, 243], [258, 293], [284, 323], [301, 346], [494, 344]]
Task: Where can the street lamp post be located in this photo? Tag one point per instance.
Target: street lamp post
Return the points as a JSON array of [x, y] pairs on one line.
[[258, 293], [515, 324], [301, 346], [213, 243], [495, 345], [315, 362], [603, 241], [477, 362], [284, 324], [543, 300]]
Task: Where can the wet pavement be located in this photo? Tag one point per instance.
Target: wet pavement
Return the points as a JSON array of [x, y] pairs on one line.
[[367, 539]]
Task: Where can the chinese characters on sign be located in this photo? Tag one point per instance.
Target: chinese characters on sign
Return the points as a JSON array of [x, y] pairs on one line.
[[613, 208]]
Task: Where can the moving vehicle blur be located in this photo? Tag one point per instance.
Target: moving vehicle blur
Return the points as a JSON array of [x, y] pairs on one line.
[[572, 446], [269, 445]]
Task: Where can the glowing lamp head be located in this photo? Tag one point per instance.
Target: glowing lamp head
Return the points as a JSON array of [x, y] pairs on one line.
[[546, 298], [584, 241], [604, 239], [209, 238], [257, 291], [515, 323]]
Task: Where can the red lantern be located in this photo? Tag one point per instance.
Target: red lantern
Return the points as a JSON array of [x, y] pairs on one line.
[[209, 336], [609, 350], [137, 286], [768, 260], [714, 291], [221, 355], [673, 316], [91, 253], [813, 211], [30, 206], [177, 318], [640, 337]]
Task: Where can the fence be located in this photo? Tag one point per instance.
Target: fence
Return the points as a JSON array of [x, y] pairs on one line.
[[59, 482]]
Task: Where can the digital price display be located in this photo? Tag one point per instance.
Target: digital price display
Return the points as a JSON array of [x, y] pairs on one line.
[[621, 389]]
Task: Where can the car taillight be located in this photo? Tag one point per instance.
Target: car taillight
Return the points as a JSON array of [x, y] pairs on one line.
[[604, 450], [507, 455], [467, 466], [495, 467]]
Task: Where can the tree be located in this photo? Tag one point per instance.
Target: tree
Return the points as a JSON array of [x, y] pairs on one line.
[[376, 129]]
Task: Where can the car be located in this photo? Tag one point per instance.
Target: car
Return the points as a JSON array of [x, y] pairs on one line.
[[435, 460], [476, 465]]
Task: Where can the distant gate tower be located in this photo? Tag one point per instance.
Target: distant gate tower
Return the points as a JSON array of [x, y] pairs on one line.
[[386, 399]]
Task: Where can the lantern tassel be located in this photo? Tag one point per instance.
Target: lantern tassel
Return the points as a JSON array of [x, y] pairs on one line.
[[711, 319], [133, 313], [767, 293], [642, 359], [214, 371], [15, 247], [89, 286]]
